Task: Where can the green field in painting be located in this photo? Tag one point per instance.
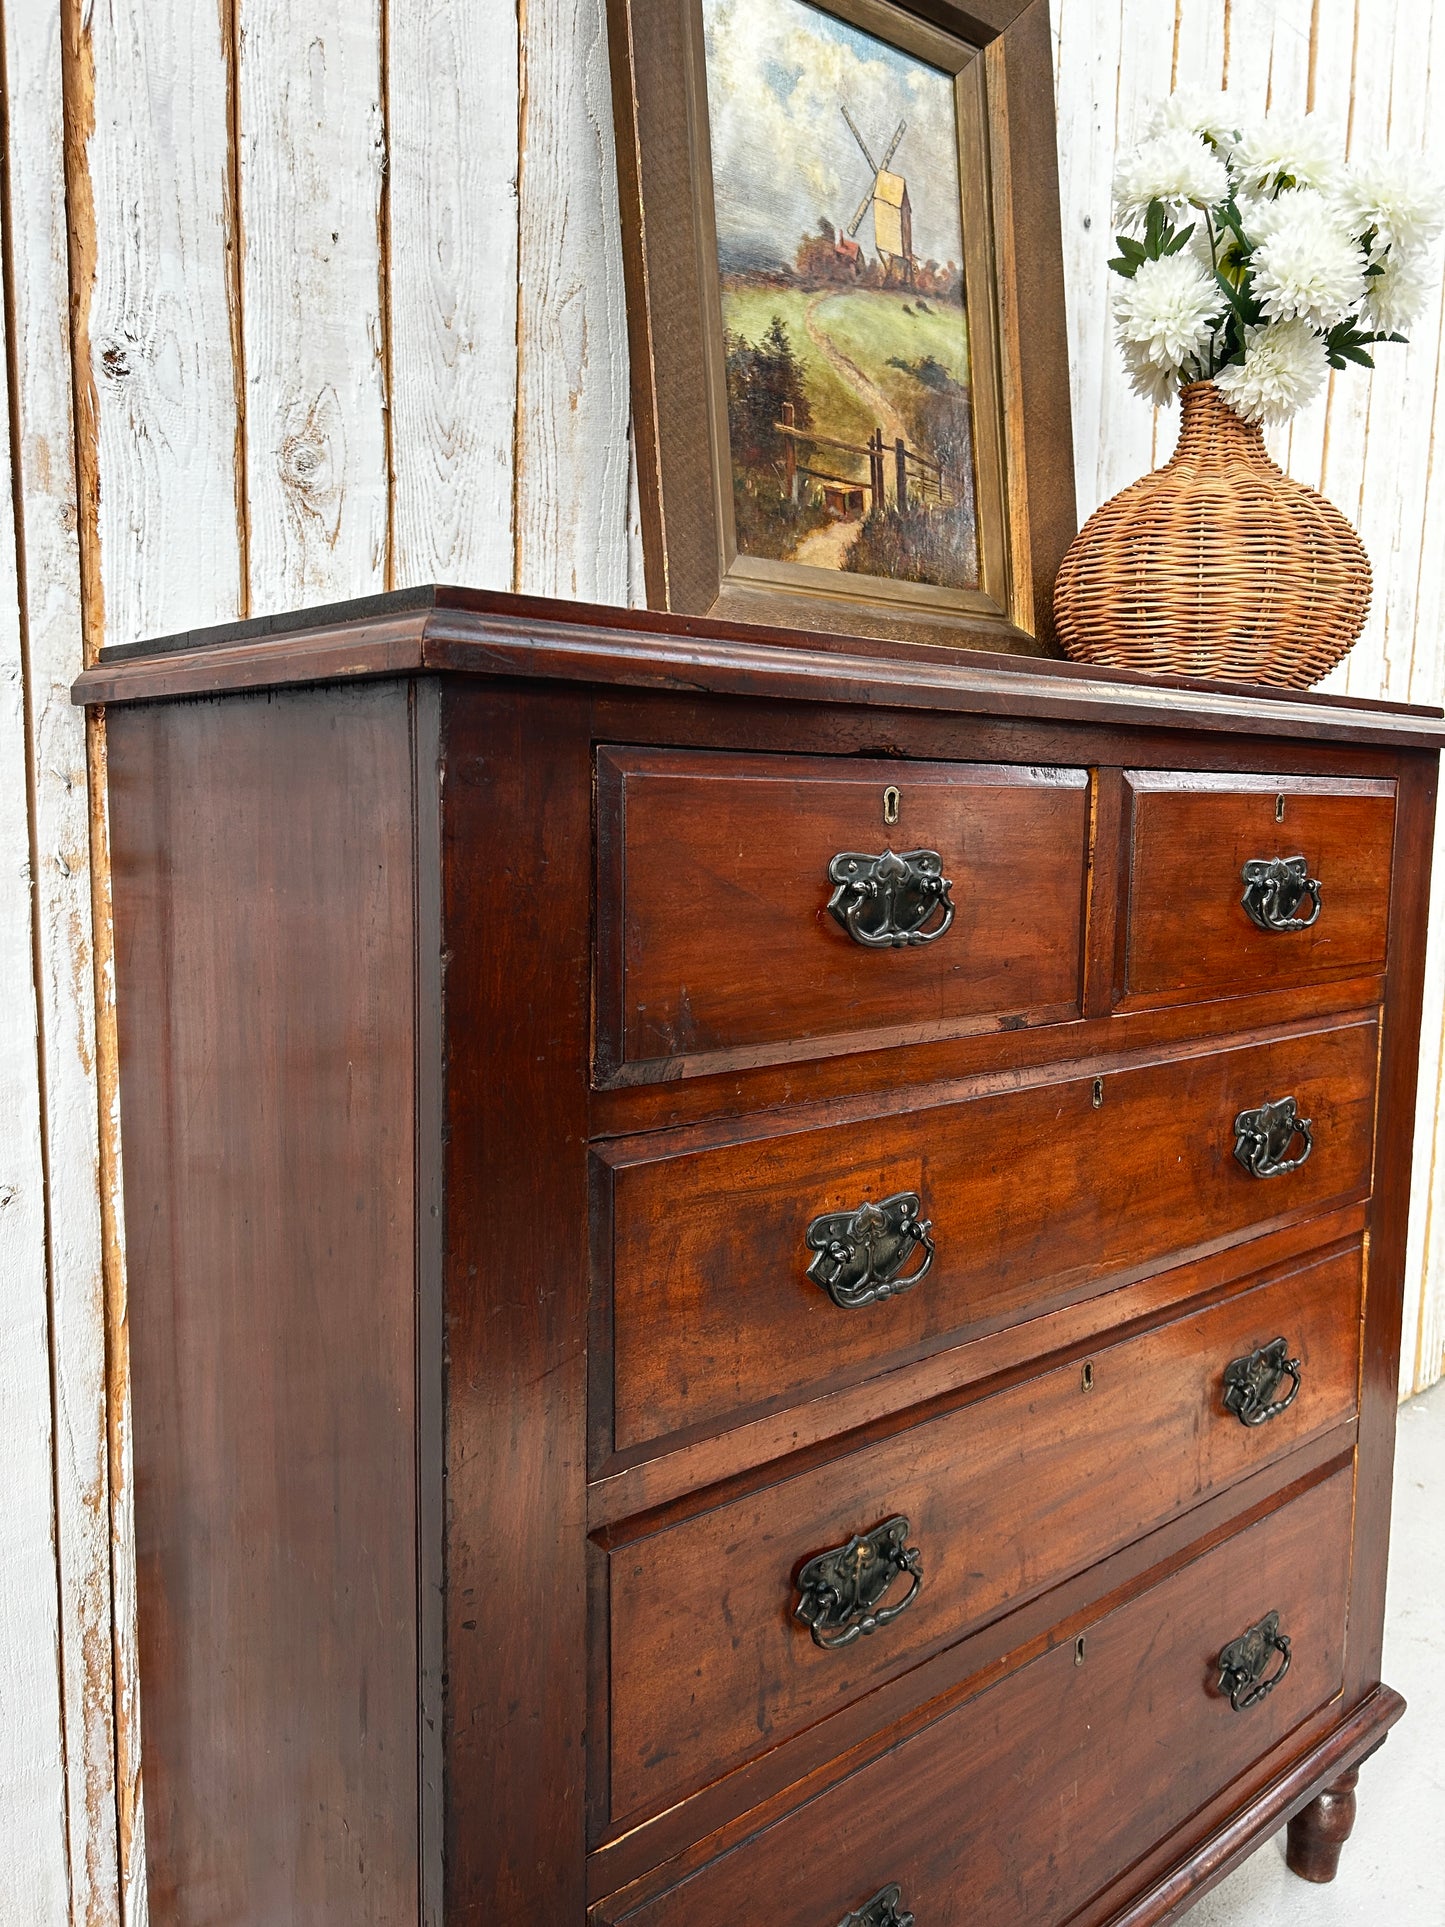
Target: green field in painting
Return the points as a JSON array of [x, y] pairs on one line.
[[837, 409], [851, 354]]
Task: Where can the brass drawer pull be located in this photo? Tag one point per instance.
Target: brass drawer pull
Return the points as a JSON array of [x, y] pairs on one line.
[[841, 1592], [861, 1254], [1275, 887], [885, 1909], [1244, 1664], [884, 902], [1250, 1384], [1262, 1138]]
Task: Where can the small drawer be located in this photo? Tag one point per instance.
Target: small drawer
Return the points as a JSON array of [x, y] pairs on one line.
[[940, 1527], [1250, 883], [744, 1275], [755, 908], [1102, 1749]]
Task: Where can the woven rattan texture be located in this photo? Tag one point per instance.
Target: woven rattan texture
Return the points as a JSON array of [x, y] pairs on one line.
[[1218, 564]]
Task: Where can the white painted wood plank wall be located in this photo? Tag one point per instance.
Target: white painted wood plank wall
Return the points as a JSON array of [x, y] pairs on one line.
[[312, 301]]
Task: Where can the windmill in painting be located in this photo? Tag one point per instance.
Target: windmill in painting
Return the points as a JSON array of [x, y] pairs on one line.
[[887, 195]]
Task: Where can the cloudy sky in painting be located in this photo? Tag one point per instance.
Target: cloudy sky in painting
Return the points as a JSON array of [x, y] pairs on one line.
[[779, 73]]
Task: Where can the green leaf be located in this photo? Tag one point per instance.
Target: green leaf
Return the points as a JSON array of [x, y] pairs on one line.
[[1156, 224], [1127, 268], [1241, 304], [1173, 247], [1131, 249], [1357, 354], [1375, 267]]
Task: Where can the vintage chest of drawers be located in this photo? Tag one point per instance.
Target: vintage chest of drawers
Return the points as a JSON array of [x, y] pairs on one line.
[[765, 1275]]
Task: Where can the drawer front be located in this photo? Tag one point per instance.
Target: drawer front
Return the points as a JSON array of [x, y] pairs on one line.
[[1034, 1198], [1202, 848], [710, 1659], [716, 940], [1013, 1809]]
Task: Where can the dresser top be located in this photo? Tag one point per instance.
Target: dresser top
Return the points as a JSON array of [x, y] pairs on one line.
[[441, 629]]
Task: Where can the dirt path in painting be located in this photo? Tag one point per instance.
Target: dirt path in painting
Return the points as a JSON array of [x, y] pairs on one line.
[[848, 372], [825, 548]]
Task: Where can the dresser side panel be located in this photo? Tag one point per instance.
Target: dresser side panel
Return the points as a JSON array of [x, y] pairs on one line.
[[1389, 1215], [517, 870], [264, 892]]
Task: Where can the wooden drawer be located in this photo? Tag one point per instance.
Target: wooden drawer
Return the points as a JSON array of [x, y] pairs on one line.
[[1104, 1755], [716, 945], [1002, 1498], [1189, 935], [1036, 1197]]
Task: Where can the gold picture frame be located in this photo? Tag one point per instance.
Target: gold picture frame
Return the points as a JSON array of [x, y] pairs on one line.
[[999, 65]]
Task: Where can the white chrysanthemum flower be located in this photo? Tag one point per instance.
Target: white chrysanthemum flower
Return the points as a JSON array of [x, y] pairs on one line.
[[1214, 117], [1400, 197], [1168, 311], [1395, 297], [1147, 378], [1174, 167], [1284, 368], [1307, 265], [1288, 151]]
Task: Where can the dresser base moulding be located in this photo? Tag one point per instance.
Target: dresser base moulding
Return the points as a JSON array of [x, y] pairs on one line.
[[1289, 1797]]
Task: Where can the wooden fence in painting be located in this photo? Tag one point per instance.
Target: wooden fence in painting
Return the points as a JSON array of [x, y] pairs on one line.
[[915, 476]]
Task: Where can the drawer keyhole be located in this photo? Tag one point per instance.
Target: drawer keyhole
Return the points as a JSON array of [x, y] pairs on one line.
[[1079, 1650], [1086, 1377], [891, 800], [1279, 808]]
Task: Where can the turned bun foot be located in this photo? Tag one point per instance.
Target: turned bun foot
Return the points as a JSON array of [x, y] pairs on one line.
[[1319, 1830]]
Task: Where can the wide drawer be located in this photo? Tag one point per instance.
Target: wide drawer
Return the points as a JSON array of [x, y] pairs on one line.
[[1216, 863], [711, 1655], [745, 912], [1035, 1198], [1013, 1809]]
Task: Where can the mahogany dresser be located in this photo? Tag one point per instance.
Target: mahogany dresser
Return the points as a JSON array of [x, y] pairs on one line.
[[765, 1274]]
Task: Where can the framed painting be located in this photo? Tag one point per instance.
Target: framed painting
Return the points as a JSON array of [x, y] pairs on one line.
[[846, 313]]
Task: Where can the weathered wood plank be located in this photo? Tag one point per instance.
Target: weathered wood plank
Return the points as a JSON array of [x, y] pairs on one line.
[[47, 521], [160, 325], [32, 1749], [452, 234], [311, 163], [572, 453]]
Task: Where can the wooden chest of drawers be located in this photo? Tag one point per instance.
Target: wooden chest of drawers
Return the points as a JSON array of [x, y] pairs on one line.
[[764, 1275]]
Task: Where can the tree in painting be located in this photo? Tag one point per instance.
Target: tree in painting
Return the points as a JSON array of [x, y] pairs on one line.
[[836, 187]]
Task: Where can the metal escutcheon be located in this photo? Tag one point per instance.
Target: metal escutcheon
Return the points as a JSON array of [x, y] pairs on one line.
[[862, 1253], [885, 1909], [1244, 1664], [842, 1591], [1250, 1384], [1262, 1138], [1274, 889], [888, 902]]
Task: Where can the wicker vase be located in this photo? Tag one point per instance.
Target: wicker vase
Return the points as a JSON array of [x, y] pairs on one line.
[[1218, 564]]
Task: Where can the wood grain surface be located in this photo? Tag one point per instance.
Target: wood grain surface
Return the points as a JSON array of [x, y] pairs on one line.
[[1037, 1198], [709, 862], [1189, 839], [1110, 1753], [268, 1076], [1004, 1497]]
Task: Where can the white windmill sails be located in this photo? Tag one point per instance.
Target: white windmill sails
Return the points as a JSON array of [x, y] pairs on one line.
[[887, 195]]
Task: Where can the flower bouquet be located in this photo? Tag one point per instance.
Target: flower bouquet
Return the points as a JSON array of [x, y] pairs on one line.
[[1254, 260]]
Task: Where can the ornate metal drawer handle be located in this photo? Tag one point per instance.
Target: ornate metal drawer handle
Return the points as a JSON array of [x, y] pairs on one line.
[[885, 902], [861, 1253], [1244, 1663], [1274, 888], [1250, 1383], [1263, 1137], [841, 1592], [885, 1909]]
